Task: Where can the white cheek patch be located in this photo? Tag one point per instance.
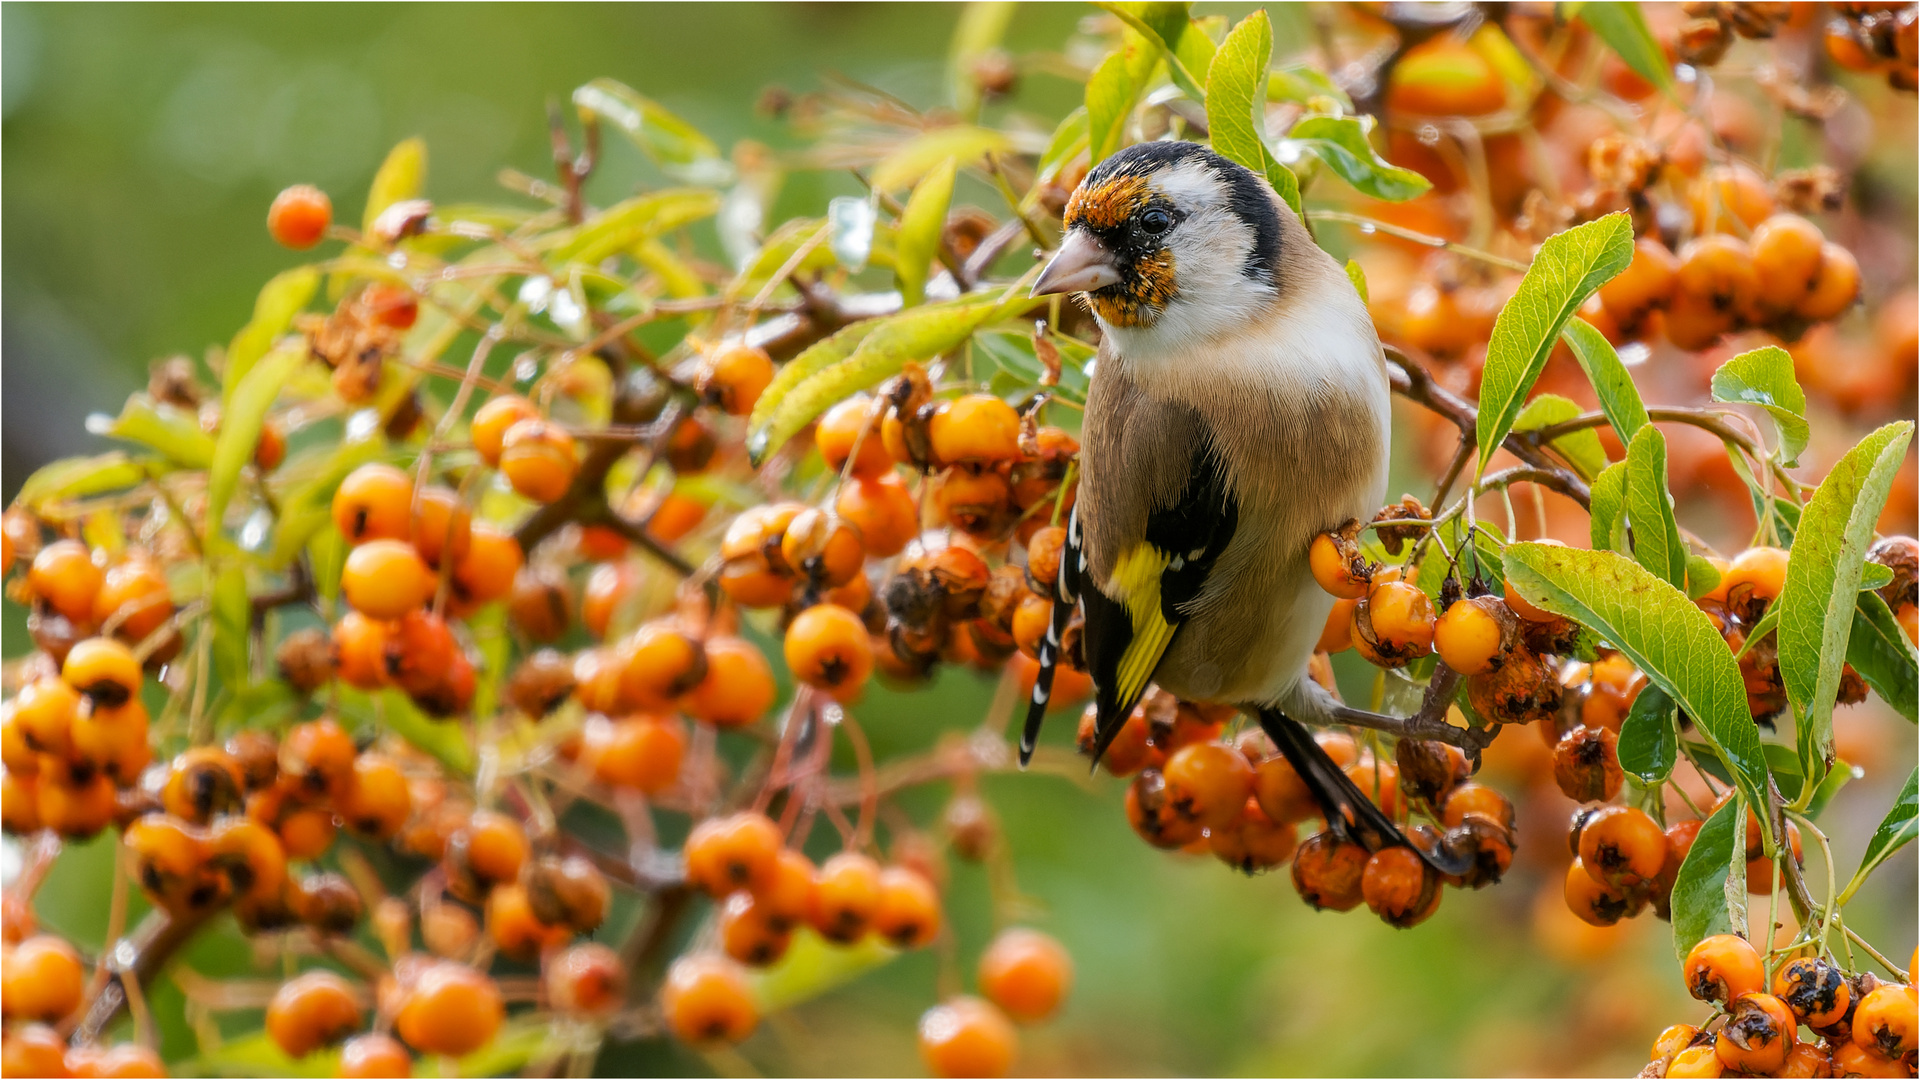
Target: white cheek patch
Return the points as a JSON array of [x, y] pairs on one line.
[[1214, 294]]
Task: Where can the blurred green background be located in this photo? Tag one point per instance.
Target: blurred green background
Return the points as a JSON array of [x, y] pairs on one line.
[[141, 147]]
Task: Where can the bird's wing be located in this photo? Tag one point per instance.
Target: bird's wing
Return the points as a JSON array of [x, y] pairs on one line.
[[1132, 620]]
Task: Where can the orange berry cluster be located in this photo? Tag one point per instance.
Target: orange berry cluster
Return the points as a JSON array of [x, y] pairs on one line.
[[1241, 800], [1023, 977], [1861, 1025], [43, 982], [1877, 38], [74, 740]]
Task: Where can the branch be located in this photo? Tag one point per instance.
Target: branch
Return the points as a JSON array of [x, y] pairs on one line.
[[1412, 382], [141, 954], [1708, 420]]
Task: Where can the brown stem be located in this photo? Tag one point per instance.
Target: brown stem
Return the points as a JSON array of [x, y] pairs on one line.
[[1412, 382], [141, 954], [1705, 419]]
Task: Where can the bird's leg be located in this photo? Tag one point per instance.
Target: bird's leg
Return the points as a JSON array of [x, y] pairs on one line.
[[1430, 722]]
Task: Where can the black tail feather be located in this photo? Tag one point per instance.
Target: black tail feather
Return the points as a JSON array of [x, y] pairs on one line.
[[1043, 681], [1347, 808]]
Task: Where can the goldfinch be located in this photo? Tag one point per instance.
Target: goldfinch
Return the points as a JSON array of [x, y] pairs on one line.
[[1238, 407]]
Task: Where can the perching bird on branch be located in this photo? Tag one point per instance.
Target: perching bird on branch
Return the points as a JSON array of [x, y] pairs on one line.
[[1239, 407]]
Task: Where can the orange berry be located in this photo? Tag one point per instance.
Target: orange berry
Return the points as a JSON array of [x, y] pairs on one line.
[[490, 424], [1814, 989], [1786, 253], [706, 998], [135, 598], [908, 912], [1757, 1036], [494, 846], [1755, 576], [452, 1010], [1393, 624], [306, 833], [1719, 269], [1851, 1059], [64, 576], [202, 782], [1400, 887], [1337, 635], [977, 428], [1473, 634], [385, 579], [642, 753], [1208, 783], [734, 852], [1338, 574], [586, 980], [359, 650], [376, 801], [965, 1036], [1597, 903], [883, 510], [33, 1050], [75, 810], [19, 802], [442, 525], [748, 935], [538, 459], [738, 688], [1721, 968], [1646, 283], [311, 1011], [374, 1055], [1444, 76], [43, 715], [374, 502], [1026, 973], [299, 217], [391, 305], [103, 670], [843, 426], [1696, 1061], [661, 662], [786, 896], [733, 377], [1328, 871], [1379, 781], [488, 569], [1673, 1039], [511, 923], [1622, 846], [1729, 193], [822, 547], [827, 646], [846, 895], [41, 980], [250, 856], [1885, 1022], [419, 651], [1835, 287]]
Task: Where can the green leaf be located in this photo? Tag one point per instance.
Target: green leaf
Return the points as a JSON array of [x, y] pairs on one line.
[[1607, 516], [79, 477], [1884, 656], [391, 710], [171, 430], [811, 968], [1569, 267], [967, 144], [1234, 92], [1896, 830], [1359, 278], [1702, 576], [1874, 576], [982, 26], [921, 225], [1341, 142], [1655, 626], [1842, 774], [240, 426], [1301, 84], [1821, 592], [273, 311], [1650, 737], [1619, 398], [1622, 26], [1166, 28], [1109, 100], [1582, 449], [1699, 901], [402, 176], [633, 221], [817, 358], [1764, 377], [679, 148], [1068, 142], [1656, 536], [913, 335], [232, 617]]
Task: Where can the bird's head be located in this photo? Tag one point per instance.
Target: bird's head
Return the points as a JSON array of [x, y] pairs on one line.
[[1169, 238]]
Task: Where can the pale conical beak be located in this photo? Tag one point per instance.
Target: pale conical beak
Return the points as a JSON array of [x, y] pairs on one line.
[[1081, 265]]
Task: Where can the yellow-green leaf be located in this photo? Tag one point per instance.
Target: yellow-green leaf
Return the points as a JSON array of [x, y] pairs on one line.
[[921, 225], [1884, 656], [273, 311], [1569, 267], [402, 176], [1236, 104], [1764, 377], [1656, 536], [627, 223], [1619, 398], [1582, 449], [1624, 28], [967, 144], [79, 477], [173, 431], [1607, 510], [1822, 586], [1655, 626], [1167, 28], [1109, 101], [1699, 902], [982, 26], [679, 148], [240, 425], [1341, 142]]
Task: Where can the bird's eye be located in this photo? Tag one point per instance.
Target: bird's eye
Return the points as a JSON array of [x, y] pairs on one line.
[[1156, 221]]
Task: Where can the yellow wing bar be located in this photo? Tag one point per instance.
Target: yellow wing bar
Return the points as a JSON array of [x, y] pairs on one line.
[[1136, 577]]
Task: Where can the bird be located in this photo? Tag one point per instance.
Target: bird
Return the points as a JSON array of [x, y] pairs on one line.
[[1238, 406]]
